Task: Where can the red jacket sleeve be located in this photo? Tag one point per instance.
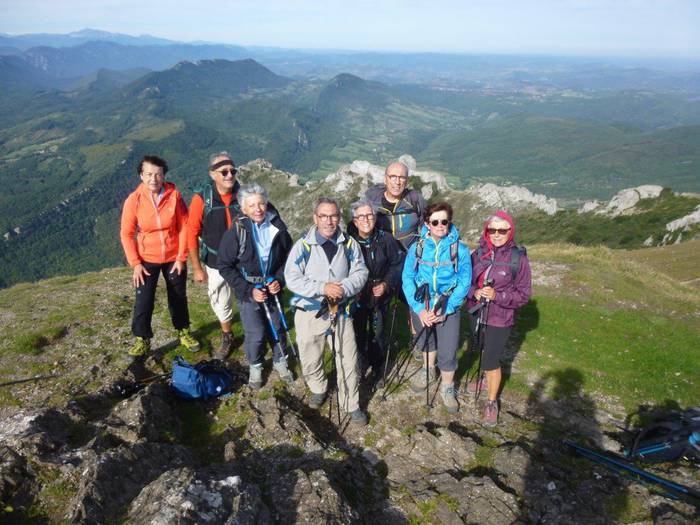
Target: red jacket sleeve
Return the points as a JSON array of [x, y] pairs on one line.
[[194, 222], [127, 231], [181, 215]]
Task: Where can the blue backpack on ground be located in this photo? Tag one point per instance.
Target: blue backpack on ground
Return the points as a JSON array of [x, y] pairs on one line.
[[201, 381]]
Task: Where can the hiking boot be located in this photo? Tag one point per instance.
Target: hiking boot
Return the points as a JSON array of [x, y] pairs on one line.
[[418, 383], [187, 340], [491, 413], [140, 347], [316, 400], [225, 349], [358, 417], [449, 398], [479, 385], [282, 370], [255, 376]]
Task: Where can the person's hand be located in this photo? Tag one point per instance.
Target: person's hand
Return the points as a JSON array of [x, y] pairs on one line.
[[274, 287], [138, 277], [425, 318], [379, 289], [200, 276], [333, 291], [178, 267], [488, 293], [433, 317], [259, 295]]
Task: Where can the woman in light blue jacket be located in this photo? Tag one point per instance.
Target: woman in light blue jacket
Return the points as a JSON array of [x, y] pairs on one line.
[[436, 278]]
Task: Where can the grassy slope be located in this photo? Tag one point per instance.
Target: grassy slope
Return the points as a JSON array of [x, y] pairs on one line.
[[628, 332], [631, 331], [679, 261]]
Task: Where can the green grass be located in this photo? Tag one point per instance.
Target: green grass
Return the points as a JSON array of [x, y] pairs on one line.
[[652, 358], [34, 343], [624, 507]]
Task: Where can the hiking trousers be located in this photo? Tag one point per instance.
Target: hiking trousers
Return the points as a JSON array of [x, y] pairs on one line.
[[176, 286], [256, 329], [442, 337], [373, 350], [311, 339], [494, 343], [220, 295]]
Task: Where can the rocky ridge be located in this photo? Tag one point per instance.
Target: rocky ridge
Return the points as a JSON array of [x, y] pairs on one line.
[[472, 205], [107, 442]]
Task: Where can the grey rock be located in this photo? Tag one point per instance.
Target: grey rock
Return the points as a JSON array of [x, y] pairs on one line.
[[300, 497], [37, 433], [208, 497], [438, 450], [487, 503], [111, 480], [149, 415], [511, 462], [16, 481]]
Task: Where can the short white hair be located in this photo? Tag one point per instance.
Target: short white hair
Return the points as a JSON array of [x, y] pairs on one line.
[[249, 190]]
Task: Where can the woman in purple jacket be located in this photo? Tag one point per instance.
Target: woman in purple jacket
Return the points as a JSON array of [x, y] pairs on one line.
[[501, 283]]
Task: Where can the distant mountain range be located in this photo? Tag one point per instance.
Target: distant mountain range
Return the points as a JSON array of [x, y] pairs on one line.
[[26, 41], [74, 120]]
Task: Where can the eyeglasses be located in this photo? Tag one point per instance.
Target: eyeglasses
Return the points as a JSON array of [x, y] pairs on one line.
[[224, 173], [397, 178], [149, 175], [365, 218], [436, 222], [331, 218], [499, 231]]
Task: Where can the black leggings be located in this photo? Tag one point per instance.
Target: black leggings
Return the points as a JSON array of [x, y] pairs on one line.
[[373, 350], [494, 344], [146, 295]]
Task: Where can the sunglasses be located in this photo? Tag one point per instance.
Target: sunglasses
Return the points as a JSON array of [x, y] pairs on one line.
[[436, 222], [224, 173], [499, 231]]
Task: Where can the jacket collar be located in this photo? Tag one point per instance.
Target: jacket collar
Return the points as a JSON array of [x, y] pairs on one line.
[[310, 236]]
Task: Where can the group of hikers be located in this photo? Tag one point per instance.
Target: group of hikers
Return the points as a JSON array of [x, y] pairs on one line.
[[396, 246]]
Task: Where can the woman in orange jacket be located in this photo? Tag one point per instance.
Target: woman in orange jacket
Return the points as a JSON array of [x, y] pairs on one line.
[[154, 237]]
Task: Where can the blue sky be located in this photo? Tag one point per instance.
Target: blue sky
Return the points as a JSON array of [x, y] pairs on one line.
[[623, 27]]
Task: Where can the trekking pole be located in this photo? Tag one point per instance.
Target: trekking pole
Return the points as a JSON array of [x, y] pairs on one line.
[[482, 319], [333, 317], [427, 367], [275, 335], [286, 327], [389, 339], [397, 369], [674, 490], [437, 309]]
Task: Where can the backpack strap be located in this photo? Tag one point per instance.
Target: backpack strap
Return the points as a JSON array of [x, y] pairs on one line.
[[306, 250], [454, 256], [242, 238], [516, 253]]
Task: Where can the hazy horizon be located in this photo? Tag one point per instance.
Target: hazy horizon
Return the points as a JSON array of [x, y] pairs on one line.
[[630, 28]]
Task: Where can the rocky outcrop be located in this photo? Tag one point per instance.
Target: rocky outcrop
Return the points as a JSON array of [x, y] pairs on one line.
[[368, 174], [210, 497], [149, 415], [109, 481], [684, 222], [511, 198], [624, 201]]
